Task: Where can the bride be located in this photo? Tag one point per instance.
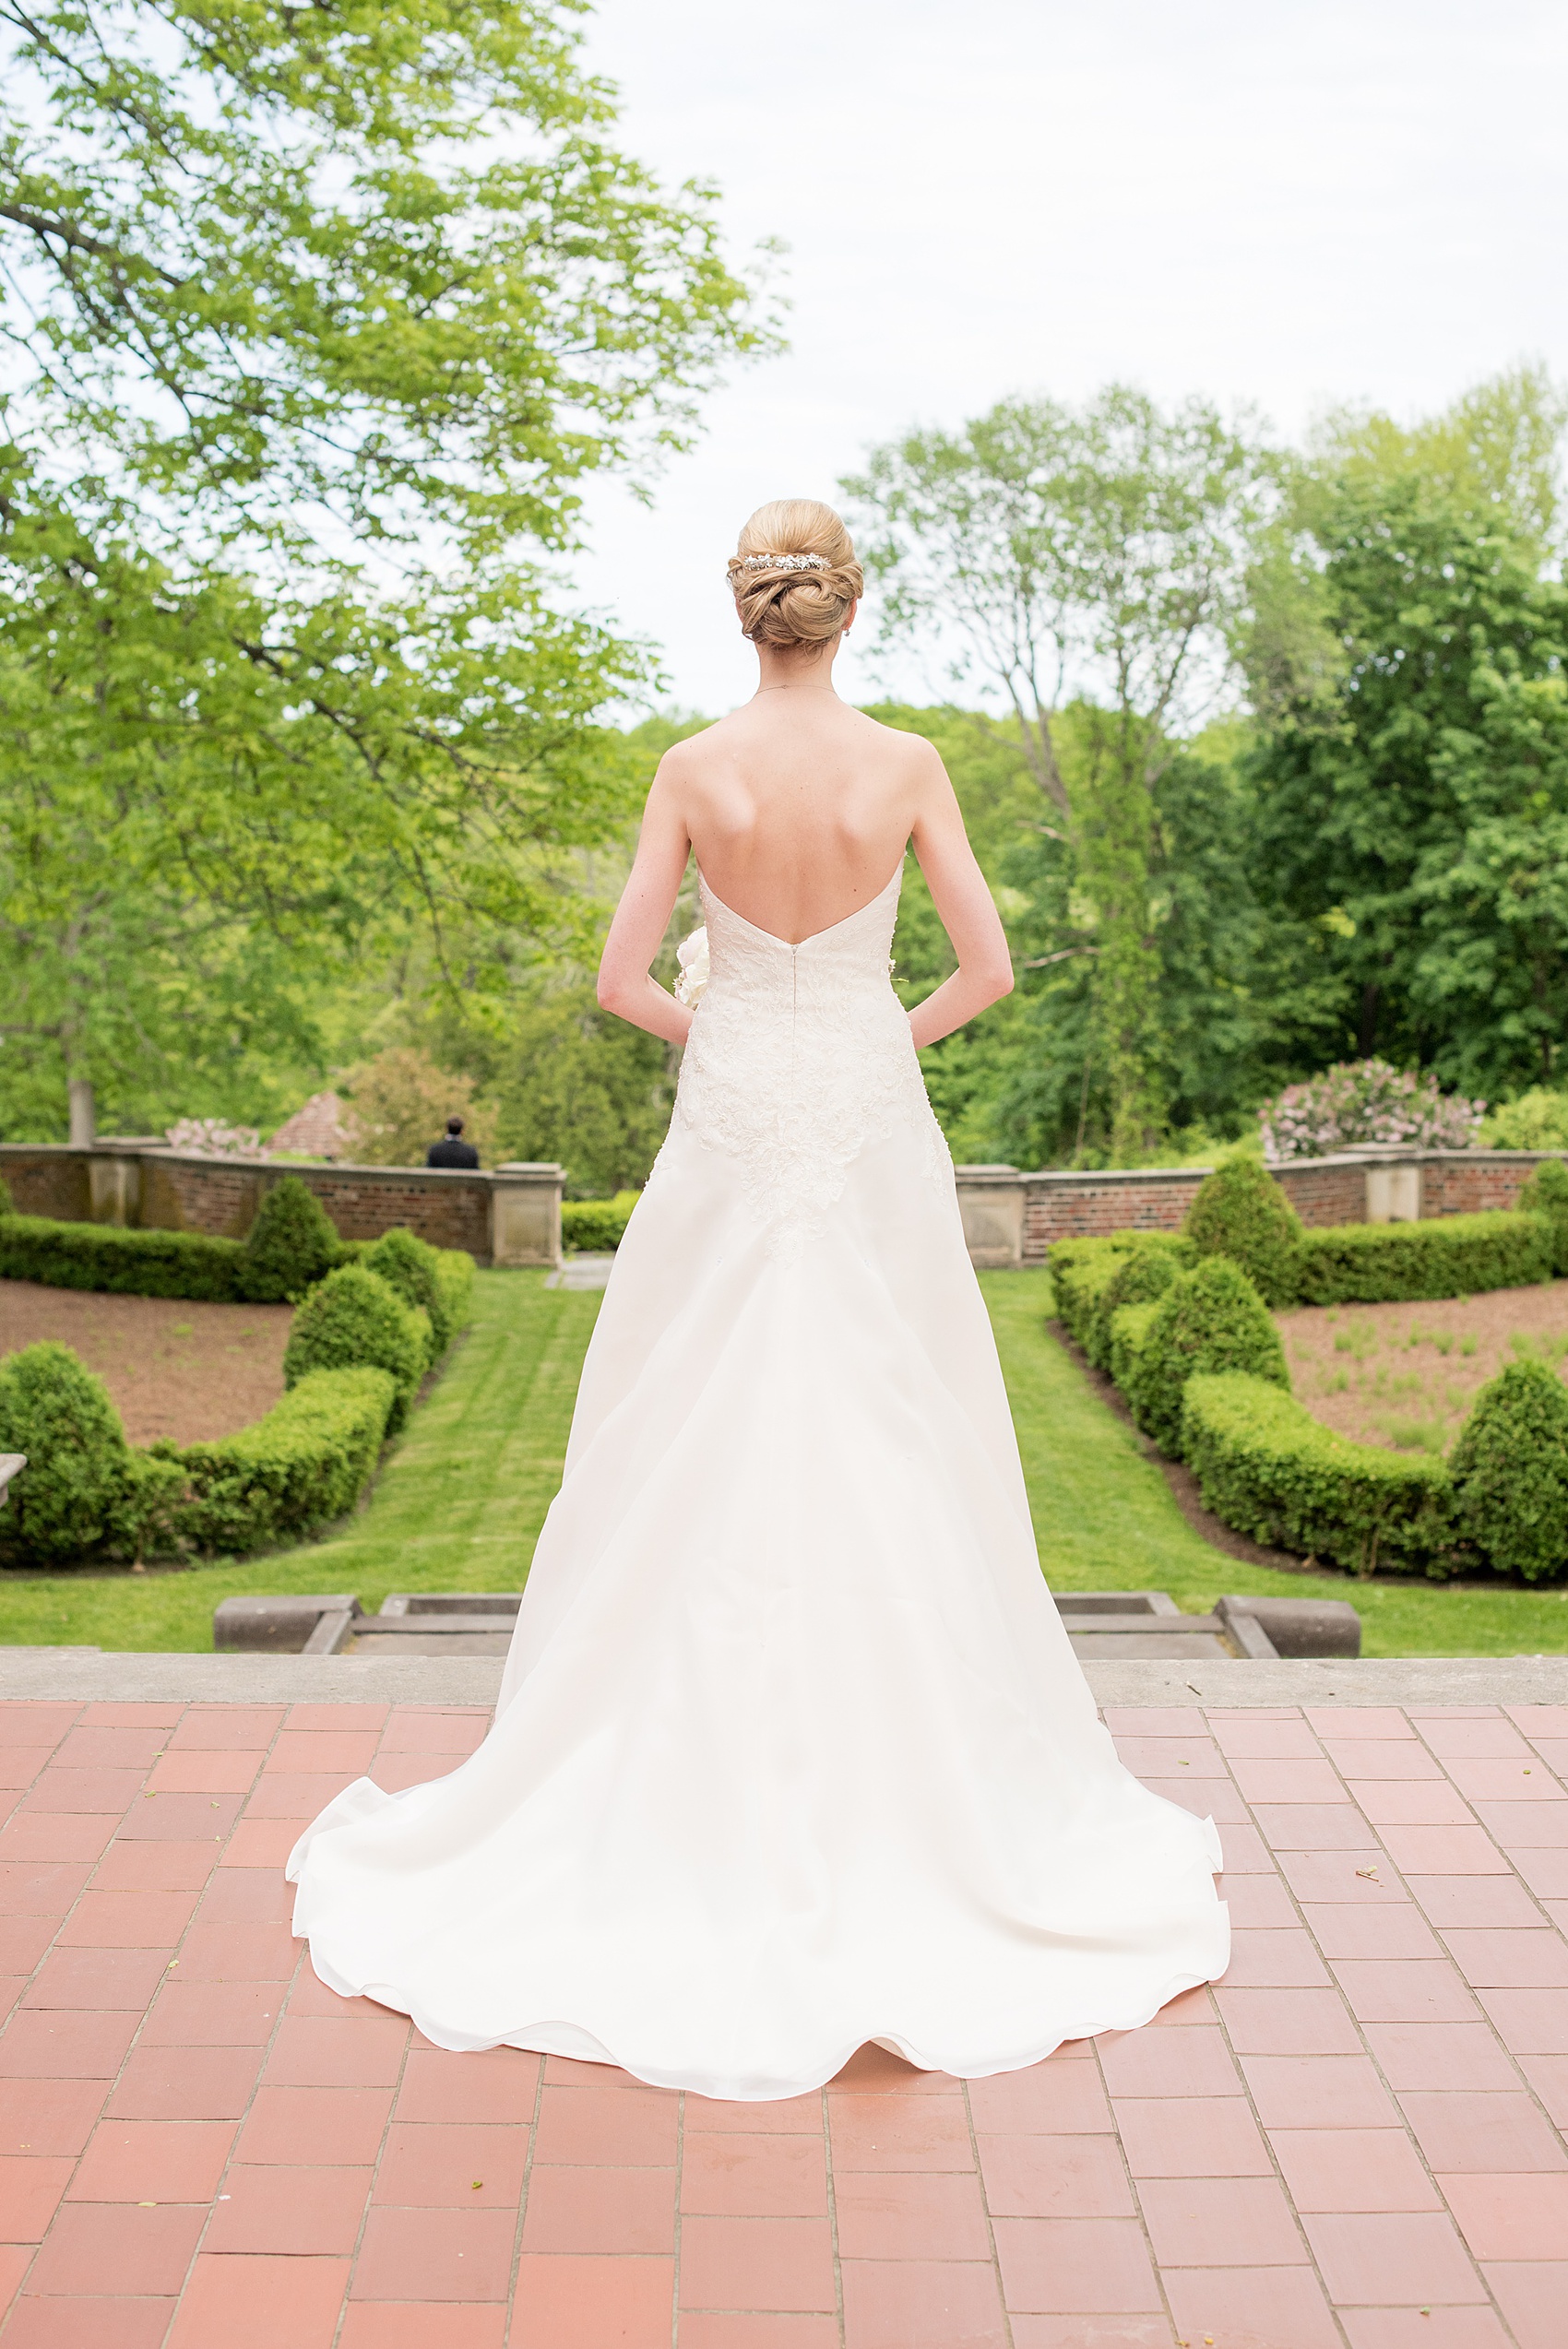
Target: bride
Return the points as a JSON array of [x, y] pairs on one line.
[[792, 1752]]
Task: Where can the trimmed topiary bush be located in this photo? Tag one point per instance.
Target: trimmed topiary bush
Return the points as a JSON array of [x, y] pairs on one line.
[[1240, 1212], [1448, 1256], [1211, 1320], [84, 1490], [5, 1207], [303, 1464], [412, 1267], [289, 1246], [1546, 1194], [1510, 1473], [354, 1318], [1136, 1278], [1267, 1467]]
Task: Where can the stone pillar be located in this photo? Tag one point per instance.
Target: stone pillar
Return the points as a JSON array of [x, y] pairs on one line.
[[115, 1188], [525, 1212], [1394, 1185], [991, 1201], [84, 1113]]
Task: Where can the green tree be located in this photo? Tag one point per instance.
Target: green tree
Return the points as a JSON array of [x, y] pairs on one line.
[[383, 265], [1096, 558], [1411, 806], [318, 321], [214, 802]]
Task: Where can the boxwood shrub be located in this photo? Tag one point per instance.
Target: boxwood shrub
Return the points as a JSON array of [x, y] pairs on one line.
[[1510, 1473], [1240, 1212], [1546, 1194], [1447, 1256], [291, 1246], [136, 1264], [85, 1492], [304, 1463], [352, 1318], [1210, 1320], [1267, 1467]]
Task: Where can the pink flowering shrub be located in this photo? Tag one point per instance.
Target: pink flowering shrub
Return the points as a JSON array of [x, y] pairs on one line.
[[1366, 1101], [211, 1138]]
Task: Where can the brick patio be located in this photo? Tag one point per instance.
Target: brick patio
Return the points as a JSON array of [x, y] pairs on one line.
[[1352, 2145]]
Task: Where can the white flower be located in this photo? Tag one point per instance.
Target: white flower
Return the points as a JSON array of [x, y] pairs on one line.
[[692, 955]]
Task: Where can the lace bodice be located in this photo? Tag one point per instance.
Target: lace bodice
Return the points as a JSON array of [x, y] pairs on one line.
[[800, 1058]]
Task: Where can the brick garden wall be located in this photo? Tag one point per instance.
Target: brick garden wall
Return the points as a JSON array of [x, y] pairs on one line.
[[1326, 1191], [1321, 1191], [1070, 1206], [200, 1194], [44, 1181], [1467, 1183], [447, 1206]]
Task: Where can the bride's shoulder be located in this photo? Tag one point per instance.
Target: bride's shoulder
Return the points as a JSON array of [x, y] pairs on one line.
[[910, 755]]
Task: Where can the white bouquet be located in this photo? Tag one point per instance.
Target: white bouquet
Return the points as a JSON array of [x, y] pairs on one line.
[[692, 955]]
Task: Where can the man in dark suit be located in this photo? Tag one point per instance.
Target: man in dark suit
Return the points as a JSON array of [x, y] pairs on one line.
[[454, 1151]]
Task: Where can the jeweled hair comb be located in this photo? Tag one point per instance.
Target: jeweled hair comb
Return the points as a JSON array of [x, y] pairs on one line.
[[781, 562]]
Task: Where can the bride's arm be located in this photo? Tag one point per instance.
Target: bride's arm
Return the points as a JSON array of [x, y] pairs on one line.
[[641, 919], [968, 913]]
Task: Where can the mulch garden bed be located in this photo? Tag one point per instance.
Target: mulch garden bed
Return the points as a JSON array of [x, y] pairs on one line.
[[1404, 1376], [192, 1373]]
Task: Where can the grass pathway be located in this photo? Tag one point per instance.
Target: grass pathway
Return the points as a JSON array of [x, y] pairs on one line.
[[458, 1504]]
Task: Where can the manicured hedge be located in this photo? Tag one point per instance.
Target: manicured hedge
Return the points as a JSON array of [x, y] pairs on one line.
[[303, 1464], [1081, 1270], [289, 1259], [86, 1495], [1447, 1256], [595, 1227], [136, 1263], [1267, 1467]]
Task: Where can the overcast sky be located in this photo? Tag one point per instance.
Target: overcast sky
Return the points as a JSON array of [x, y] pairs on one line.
[[1278, 204]]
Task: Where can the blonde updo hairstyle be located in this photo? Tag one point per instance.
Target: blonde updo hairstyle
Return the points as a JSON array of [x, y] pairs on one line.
[[780, 604]]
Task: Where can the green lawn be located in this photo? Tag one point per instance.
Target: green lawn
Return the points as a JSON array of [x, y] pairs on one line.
[[459, 1502]]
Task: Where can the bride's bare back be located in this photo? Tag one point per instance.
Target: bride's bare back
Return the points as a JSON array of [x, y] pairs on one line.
[[799, 808]]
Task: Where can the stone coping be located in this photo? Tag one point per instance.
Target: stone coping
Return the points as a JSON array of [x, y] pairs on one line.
[[85, 1675]]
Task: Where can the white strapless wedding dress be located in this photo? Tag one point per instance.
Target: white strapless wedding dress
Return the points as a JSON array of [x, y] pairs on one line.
[[792, 1752]]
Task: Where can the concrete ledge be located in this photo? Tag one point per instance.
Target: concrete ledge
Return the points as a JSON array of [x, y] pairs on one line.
[[86, 1675]]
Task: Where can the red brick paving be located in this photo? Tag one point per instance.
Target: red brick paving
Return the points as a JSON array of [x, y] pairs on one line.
[[1354, 2142]]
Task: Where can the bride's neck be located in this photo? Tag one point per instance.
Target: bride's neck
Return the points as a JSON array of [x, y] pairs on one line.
[[795, 673]]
